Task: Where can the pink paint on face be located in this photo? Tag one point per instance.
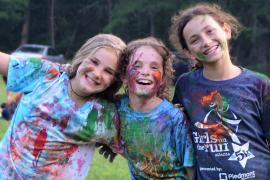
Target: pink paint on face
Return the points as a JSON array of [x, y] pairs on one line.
[[132, 74]]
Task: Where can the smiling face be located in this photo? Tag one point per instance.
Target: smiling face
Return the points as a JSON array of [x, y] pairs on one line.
[[144, 72], [206, 39], [96, 73]]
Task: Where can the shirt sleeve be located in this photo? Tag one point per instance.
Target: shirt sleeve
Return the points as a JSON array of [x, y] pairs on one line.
[[25, 74], [184, 146], [112, 124], [177, 93], [266, 107]]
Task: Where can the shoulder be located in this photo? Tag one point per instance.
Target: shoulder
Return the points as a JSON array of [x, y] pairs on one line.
[[122, 101], [32, 64], [105, 105], [257, 77], [170, 109], [189, 76]]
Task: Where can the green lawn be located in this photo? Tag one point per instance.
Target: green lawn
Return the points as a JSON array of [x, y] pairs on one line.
[[101, 169]]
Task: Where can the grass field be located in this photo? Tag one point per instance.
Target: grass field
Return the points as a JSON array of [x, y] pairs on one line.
[[101, 169]]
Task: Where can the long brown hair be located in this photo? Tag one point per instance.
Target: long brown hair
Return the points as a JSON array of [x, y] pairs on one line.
[[182, 17]]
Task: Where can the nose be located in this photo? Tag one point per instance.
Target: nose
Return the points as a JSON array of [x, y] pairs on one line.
[[97, 74], [206, 41], [145, 71]]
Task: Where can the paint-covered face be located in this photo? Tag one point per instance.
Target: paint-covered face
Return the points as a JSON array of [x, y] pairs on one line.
[[145, 72], [96, 73], [206, 38]]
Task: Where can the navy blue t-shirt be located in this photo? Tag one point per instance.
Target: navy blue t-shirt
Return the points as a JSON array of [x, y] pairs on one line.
[[230, 123]]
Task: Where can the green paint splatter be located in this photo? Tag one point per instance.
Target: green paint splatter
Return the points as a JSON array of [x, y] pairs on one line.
[[35, 61], [88, 130]]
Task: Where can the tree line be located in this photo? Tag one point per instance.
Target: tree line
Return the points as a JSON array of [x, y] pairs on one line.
[[67, 24]]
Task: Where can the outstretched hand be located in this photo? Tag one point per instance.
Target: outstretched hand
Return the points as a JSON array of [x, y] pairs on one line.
[[106, 152]]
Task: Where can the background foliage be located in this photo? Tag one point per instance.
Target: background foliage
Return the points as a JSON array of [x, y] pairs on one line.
[[68, 24]]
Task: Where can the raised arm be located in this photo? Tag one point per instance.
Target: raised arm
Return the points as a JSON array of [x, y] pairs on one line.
[[4, 59]]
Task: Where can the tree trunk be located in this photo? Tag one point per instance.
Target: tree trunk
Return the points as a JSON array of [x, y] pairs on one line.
[[109, 2], [152, 25], [25, 27]]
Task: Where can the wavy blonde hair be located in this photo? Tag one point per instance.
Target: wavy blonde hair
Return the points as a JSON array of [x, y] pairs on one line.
[[89, 48], [162, 50]]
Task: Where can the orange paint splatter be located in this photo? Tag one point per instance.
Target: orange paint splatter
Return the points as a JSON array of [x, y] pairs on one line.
[[215, 95], [157, 75], [53, 72]]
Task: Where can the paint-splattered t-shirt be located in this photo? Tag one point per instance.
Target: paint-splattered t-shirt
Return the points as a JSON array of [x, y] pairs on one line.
[[157, 143], [50, 137], [230, 122]]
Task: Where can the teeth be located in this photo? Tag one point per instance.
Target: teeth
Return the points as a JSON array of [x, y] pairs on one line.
[[90, 77], [208, 51], [144, 81]]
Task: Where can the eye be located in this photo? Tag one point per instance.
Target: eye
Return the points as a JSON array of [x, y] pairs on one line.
[[210, 31], [94, 61], [137, 65], [194, 41], [154, 67], [110, 72]]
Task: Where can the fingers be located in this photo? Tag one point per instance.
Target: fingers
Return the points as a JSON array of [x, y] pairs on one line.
[[112, 157], [106, 152]]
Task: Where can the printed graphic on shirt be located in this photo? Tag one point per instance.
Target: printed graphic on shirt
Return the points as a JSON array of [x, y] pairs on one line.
[[218, 123]]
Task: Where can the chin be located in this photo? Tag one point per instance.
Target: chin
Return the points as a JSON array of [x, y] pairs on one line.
[[144, 94]]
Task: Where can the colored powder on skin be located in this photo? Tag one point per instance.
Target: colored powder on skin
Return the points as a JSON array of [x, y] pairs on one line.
[[157, 76], [132, 74]]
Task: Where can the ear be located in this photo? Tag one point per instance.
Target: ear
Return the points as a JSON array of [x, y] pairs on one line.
[[227, 30]]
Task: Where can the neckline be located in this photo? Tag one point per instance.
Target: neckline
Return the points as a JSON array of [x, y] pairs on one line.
[[213, 82], [156, 108], [66, 89]]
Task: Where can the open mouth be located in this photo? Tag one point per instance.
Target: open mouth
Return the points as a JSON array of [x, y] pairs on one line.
[[210, 50], [144, 82]]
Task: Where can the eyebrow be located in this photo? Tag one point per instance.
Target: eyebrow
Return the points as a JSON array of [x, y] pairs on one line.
[[109, 68]]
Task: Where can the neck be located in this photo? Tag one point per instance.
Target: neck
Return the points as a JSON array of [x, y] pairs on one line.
[[221, 70], [75, 95], [143, 104]]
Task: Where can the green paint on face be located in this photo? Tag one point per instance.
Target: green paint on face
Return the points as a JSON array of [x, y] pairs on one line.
[[201, 57]]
